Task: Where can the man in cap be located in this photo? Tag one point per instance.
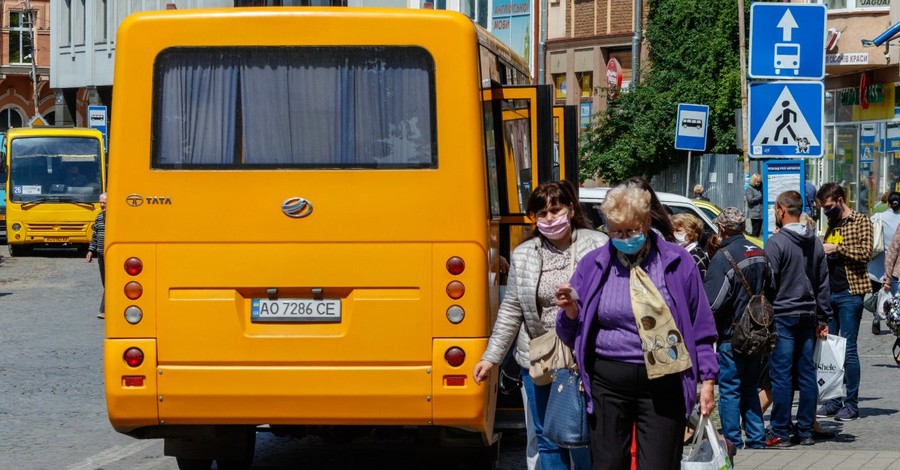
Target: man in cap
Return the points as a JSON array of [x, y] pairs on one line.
[[738, 374]]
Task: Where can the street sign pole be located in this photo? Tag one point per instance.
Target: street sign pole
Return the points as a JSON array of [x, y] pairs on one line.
[[687, 177]]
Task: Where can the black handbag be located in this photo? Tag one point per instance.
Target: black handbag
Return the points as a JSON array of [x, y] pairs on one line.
[[566, 421]]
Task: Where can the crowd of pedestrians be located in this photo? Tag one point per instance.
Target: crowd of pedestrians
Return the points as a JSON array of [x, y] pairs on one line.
[[649, 314]]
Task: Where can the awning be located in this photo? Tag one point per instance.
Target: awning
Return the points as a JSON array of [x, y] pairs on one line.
[[883, 37]]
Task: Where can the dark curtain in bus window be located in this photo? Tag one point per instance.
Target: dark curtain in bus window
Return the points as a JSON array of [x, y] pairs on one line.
[[337, 107], [197, 115]]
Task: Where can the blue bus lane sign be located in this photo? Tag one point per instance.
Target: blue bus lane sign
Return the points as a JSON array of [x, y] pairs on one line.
[[786, 119], [787, 41]]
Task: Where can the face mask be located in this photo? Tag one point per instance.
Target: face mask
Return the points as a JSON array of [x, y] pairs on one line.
[[556, 228], [834, 212], [630, 246], [681, 238]]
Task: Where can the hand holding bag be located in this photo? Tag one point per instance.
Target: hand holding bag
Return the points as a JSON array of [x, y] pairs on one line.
[[565, 421], [707, 452], [547, 353], [829, 358]]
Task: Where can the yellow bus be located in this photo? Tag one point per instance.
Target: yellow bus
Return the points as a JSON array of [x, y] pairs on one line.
[[305, 222], [54, 179]]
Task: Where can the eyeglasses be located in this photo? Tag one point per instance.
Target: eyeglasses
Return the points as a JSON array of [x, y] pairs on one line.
[[622, 234]]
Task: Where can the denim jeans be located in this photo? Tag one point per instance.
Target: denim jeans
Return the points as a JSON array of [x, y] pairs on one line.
[[551, 456], [739, 398], [847, 309], [793, 358]]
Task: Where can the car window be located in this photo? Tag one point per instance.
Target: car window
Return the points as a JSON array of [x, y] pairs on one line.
[[592, 212]]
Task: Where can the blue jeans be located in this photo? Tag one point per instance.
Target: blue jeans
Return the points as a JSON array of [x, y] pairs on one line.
[[895, 285], [847, 310], [739, 398], [551, 456], [793, 358]]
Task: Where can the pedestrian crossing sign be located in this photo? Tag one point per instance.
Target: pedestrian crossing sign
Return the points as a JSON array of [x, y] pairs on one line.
[[785, 119]]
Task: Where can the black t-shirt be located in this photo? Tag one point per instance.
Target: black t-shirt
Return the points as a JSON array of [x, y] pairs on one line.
[[837, 272]]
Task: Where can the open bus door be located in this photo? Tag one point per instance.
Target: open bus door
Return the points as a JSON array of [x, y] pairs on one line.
[[565, 140], [524, 157]]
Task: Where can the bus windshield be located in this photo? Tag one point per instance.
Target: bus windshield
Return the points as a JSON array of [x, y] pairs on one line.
[[64, 169]]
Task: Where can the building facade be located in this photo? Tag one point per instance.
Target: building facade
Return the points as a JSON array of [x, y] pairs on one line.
[[24, 63]]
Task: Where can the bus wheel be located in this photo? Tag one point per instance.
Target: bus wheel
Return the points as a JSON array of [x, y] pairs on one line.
[[19, 250], [246, 460], [193, 464]]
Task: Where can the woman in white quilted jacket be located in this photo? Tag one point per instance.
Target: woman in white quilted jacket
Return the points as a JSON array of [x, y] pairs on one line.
[[562, 237]]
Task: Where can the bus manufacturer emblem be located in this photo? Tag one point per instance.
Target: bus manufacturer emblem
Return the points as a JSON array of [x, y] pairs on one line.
[[296, 207], [134, 200]]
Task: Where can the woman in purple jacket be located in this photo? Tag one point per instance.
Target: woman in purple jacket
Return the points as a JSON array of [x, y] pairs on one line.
[[637, 317]]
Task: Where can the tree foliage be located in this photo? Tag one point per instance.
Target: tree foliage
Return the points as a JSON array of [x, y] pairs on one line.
[[693, 58]]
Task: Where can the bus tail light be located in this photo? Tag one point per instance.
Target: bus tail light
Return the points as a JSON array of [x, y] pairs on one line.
[[456, 314], [455, 290], [456, 265], [133, 266], [455, 356], [455, 380], [134, 357], [134, 314], [133, 380], [134, 290]]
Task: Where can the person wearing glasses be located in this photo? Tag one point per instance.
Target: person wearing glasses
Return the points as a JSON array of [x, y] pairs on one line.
[[638, 320], [562, 237]]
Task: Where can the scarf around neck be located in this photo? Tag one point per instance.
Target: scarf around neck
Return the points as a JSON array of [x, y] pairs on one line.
[[662, 344]]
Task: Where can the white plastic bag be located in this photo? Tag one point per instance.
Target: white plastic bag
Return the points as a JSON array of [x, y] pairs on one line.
[[829, 358], [881, 297], [707, 452]]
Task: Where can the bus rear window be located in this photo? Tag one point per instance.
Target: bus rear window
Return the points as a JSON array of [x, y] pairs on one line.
[[294, 107]]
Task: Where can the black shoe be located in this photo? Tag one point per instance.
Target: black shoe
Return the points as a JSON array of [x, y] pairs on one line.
[[823, 436], [779, 443], [807, 441], [876, 327]]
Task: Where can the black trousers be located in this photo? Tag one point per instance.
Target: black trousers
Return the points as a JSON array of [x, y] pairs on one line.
[[623, 398], [102, 266], [755, 227]]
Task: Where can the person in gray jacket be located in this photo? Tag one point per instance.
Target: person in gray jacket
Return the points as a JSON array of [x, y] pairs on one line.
[[753, 195], [563, 237]]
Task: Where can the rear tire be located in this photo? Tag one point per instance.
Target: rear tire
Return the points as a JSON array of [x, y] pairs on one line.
[[19, 250], [193, 464]]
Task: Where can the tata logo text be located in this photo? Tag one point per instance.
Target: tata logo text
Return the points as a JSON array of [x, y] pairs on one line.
[[296, 207], [136, 200]]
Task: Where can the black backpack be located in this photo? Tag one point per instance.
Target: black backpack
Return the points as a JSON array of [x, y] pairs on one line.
[[753, 334]]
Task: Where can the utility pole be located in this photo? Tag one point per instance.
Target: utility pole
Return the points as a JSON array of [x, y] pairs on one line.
[[743, 55], [32, 24]]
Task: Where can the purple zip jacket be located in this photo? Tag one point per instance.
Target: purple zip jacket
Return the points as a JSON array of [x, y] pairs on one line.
[[689, 306]]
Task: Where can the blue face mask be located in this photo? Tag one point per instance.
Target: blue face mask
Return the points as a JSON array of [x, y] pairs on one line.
[[632, 245]]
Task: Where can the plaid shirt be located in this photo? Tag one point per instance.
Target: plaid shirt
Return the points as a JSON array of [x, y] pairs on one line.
[[856, 249]]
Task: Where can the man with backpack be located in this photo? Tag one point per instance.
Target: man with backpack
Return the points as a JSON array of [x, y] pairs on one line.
[[737, 273], [802, 309]]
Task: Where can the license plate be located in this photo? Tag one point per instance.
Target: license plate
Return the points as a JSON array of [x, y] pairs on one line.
[[295, 310], [56, 239]]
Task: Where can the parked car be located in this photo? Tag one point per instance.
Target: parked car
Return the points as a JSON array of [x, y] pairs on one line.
[[591, 198]]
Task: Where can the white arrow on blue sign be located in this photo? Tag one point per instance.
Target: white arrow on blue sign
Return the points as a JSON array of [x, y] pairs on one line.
[[690, 127], [786, 119], [787, 41]]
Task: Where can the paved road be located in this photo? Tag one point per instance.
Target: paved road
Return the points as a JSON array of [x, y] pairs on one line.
[[54, 415]]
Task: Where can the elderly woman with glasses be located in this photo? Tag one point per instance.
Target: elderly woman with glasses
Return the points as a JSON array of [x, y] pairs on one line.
[[638, 320]]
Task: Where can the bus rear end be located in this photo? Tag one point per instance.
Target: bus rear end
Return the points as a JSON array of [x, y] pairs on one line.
[[56, 176], [298, 229]]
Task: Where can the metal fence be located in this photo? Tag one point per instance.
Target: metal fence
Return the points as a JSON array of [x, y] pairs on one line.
[[722, 175]]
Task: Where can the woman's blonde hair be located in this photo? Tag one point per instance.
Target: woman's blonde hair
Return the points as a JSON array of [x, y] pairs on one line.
[[690, 223], [624, 204], [755, 179]]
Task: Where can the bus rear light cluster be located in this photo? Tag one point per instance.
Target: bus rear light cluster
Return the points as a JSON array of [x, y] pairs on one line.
[[134, 314], [134, 290], [134, 357], [133, 380], [456, 314], [456, 265], [455, 290], [455, 356], [133, 266]]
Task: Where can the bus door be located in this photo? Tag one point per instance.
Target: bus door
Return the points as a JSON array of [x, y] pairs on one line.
[[565, 143]]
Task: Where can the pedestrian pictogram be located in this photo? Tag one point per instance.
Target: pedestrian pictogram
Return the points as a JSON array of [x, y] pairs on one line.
[[787, 41], [786, 119]]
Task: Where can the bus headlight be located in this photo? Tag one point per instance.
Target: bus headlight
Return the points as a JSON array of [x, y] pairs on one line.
[[16, 227]]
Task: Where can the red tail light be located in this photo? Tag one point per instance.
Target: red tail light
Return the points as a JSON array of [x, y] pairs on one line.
[[133, 266], [133, 357], [455, 380], [455, 356], [455, 265], [133, 380]]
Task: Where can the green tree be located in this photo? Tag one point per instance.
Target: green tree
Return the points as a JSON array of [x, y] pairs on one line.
[[693, 58]]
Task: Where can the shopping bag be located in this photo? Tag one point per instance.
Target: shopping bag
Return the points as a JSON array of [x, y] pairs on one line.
[[829, 358], [565, 421], [707, 451], [881, 298]]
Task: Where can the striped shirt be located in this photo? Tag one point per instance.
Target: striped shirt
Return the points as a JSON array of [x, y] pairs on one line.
[[96, 246]]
